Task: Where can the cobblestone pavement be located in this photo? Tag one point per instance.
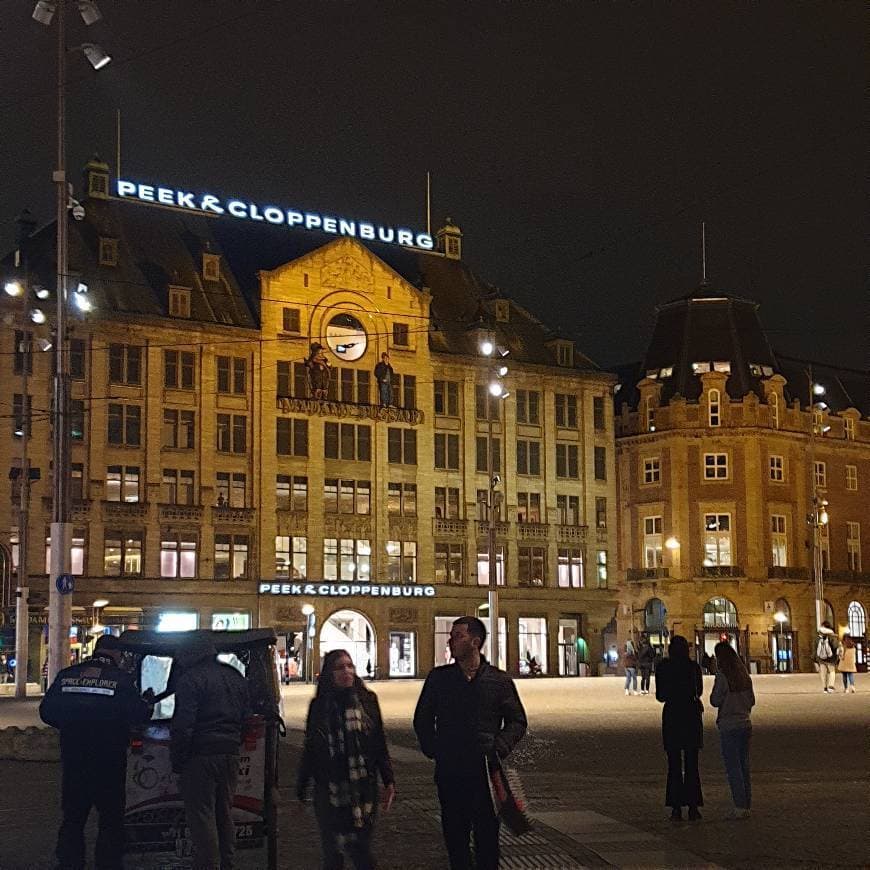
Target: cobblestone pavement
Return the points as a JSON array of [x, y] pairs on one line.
[[593, 769]]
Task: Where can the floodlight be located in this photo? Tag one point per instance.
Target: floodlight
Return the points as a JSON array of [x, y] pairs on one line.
[[502, 371], [487, 347], [44, 12], [37, 315], [818, 390], [495, 388], [13, 288], [41, 292], [97, 57], [82, 302], [89, 11], [43, 344], [101, 602]]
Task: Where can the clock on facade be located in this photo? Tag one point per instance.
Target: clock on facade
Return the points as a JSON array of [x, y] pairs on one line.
[[346, 337]]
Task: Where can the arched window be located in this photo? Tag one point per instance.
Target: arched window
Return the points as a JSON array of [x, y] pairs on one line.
[[781, 606], [857, 619], [655, 615], [713, 407], [828, 612], [773, 406], [720, 613]]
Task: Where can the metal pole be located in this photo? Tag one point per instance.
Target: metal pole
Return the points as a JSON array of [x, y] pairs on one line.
[[22, 626], [493, 573], [22, 621], [60, 606]]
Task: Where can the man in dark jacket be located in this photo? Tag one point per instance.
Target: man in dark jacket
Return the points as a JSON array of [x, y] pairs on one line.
[[645, 659], [211, 706], [468, 711], [94, 704]]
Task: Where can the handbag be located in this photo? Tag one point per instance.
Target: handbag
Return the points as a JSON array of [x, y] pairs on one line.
[[508, 797]]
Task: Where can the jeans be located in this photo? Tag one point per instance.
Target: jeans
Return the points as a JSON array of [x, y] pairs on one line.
[[684, 786], [208, 783], [466, 807], [385, 393], [631, 677], [735, 753], [848, 679], [644, 679]]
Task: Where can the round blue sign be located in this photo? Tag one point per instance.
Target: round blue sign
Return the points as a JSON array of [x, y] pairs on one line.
[[65, 584]]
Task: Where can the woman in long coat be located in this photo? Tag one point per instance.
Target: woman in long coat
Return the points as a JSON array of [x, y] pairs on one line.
[[847, 664], [679, 685], [345, 749]]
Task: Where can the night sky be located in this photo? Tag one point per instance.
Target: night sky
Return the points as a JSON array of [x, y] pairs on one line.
[[578, 145]]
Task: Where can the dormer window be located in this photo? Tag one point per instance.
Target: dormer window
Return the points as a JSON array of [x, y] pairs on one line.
[[666, 372], [452, 247], [700, 368], [179, 302], [565, 353], [722, 366], [108, 252], [211, 267], [502, 310]]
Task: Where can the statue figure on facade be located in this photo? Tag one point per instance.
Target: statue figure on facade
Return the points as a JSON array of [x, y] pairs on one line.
[[384, 377], [318, 367]]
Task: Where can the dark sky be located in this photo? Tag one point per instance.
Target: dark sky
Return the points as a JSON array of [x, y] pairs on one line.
[[578, 145]]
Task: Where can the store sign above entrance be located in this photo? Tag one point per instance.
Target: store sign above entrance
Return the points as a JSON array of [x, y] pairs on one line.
[[344, 590], [288, 217]]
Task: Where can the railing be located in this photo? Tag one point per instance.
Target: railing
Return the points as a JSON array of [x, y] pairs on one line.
[[720, 571], [571, 534], [635, 574], [181, 513], [482, 528], [601, 536], [79, 509], [533, 531], [453, 528], [125, 510], [232, 515], [787, 572], [848, 576], [353, 410]]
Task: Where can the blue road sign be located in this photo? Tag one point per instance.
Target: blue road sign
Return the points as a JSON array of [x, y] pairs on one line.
[[65, 584]]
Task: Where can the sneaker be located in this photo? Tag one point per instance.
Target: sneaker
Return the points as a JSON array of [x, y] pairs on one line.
[[634, 693], [694, 815], [851, 689], [738, 813], [676, 815], [628, 693]]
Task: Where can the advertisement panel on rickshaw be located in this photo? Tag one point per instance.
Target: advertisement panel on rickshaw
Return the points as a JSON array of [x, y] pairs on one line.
[[156, 829]]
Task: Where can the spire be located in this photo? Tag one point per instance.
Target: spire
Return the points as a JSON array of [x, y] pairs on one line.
[[703, 253]]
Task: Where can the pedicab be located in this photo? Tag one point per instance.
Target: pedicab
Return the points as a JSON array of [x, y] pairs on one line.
[[157, 837]]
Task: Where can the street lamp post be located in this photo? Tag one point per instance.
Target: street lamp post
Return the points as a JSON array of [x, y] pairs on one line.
[[310, 628], [781, 618], [818, 516]]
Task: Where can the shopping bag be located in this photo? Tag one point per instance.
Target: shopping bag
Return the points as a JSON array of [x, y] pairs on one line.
[[508, 797]]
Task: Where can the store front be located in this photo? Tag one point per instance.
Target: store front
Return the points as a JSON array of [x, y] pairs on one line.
[[532, 636], [351, 631], [782, 641], [720, 624], [655, 625], [856, 618], [570, 646], [403, 654]]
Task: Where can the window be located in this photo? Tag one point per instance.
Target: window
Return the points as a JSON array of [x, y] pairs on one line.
[[402, 499], [857, 619], [122, 483], [122, 553], [108, 253], [652, 542], [528, 507], [76, 551], [77, 474], [232, 431], [529, 458], [125, 364], [852, 477], [400, 335], [825, 547], [482, 454], [231, 489], [447, 398], [567, 465], [528, 405], [351, 385], [502, 310], [568, 508], [566, 411], [402, 446], [179, 302], [565, 354], [601, 512], [531, 566], [773, 409], [700, 368], [125, 423], [715, 466], [853, 545], [720, 613], [571, 570], [447, 502], [821, 475], [652, 470], [449, 559], [291, 436], [483, 565], [177, 487], [713, 408], [232, 374], [77, 419], [291, 492], [446, 451], [291, 379], [600, 463], [230, 557], [776, 469], [598, 419], [21, 415], [290, 320], [178, 429], [601, 568], [483, 506], [23, 352], [348, 441], [818, 423], [178, 554], [211, 267], [77, 359], [778, 541], [347, 559], [717, 539], [178, 369], [401, 562], [291, 558], [849, 428], [649, 414], [483, 401], [347, 496]]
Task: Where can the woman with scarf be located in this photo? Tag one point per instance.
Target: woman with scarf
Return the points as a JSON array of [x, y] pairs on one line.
[[345, 749]]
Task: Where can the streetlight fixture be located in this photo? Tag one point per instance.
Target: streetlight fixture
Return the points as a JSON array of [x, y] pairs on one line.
[[60, 605], [781, 618], [818, 519]]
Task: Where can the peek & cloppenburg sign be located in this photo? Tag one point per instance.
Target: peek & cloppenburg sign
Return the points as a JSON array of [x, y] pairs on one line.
[[342, 590]]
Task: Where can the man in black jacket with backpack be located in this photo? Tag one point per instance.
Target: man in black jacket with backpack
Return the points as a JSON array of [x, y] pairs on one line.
[[468, 711]]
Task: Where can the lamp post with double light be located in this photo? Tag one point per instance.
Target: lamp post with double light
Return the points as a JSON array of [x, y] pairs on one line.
[[59, 603]]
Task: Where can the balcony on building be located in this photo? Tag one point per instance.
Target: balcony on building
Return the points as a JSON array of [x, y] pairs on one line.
[[719, 571], [788, 572], [449, 528], [637, 575]]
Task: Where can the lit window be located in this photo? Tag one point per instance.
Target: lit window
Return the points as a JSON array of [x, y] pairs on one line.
[[722, 366], [714, 416], [666, 372], [773, 409], [778, 541], [717, 539], [700, 368], [652, 542]]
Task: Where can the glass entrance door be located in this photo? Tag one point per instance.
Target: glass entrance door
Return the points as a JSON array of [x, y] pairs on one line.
[[569, 631]]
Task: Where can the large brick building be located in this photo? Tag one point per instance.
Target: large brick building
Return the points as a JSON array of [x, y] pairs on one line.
[[722, 447], [215, 487]]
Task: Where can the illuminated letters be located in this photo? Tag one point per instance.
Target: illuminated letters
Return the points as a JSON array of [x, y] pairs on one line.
[[236, 208], [273, 215], [210, 203]]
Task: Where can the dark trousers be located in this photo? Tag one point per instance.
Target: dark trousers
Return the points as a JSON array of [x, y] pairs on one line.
[[644, 679], [208, 783], [92, 779], [466, 808], [735, 754], [684, 779], [359, 849]]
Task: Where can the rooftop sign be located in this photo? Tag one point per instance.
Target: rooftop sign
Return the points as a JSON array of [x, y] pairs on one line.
[[343, 590], [271, 214]]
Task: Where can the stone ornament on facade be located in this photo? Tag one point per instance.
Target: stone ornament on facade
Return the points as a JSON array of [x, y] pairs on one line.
[[316, 408], [348, 273]]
